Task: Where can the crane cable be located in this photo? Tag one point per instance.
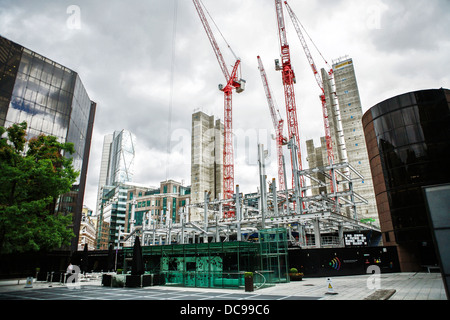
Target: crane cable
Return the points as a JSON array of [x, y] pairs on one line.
[[169, 133], [223, 37], [310, 39]]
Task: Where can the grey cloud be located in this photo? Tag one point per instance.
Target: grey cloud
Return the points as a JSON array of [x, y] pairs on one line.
[[413, 25], [123, 54]]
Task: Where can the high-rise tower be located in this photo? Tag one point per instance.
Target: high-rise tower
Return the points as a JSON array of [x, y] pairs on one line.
[[117, 161], [345, 113], [206, 158]]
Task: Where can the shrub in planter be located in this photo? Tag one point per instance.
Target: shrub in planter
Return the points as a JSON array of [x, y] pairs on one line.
[[118, 281], [294, 275]]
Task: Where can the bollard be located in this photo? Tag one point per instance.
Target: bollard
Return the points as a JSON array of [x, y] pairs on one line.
[[51, 279]]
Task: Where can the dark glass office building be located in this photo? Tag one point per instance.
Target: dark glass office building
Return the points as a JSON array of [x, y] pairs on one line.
[[53, 101], [408, 141]]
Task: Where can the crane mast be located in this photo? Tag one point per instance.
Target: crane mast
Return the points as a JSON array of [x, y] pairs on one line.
[[232, 82], [278, 124], [288, 77], [329, 143]]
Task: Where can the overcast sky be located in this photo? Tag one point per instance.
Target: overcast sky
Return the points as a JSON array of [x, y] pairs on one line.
[[148, 65]]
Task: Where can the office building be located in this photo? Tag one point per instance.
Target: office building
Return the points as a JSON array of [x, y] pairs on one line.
[[206, 159], [156, 207], [53, 101], [408, 141], [88, 229], [345, 118], [111, 219], [118, 218]]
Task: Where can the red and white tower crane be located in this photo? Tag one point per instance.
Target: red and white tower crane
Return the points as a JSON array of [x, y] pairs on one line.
[[232, 82], [278, 124], [297, 24], [288, 77]]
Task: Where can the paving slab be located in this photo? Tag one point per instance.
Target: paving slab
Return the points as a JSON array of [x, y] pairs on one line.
[[407, 286]]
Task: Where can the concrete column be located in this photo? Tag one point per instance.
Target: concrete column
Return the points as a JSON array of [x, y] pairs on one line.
[[238, 214], [341, 235], [317, 233]]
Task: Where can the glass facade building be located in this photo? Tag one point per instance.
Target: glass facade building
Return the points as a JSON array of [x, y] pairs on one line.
[[53, 101], [121, 158], [408, 141], [112, 215], [117, 162]]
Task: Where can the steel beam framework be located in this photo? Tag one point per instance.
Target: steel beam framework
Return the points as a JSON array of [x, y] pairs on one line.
[[326, 213]]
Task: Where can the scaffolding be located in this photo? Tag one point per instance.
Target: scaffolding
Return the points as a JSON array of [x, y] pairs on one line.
[[311, 221]]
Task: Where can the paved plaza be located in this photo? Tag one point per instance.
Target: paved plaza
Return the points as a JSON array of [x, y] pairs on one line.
[[394, 286]]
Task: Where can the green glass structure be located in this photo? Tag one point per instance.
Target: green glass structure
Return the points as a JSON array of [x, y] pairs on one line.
[[218, 264], [274, 253]]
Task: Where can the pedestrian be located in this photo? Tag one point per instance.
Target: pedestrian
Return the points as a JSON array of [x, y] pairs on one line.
[[69, 271]]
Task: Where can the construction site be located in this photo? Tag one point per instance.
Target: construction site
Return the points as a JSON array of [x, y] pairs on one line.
[[329, 205]]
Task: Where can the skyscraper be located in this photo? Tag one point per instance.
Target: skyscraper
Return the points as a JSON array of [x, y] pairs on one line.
[[121, 158], [345, 116], [53, 101], [206, 158], [116, 171], [117, 161]]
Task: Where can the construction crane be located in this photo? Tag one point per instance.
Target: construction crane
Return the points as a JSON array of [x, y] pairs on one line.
[[232, 82], [288, 77], [329, 142], [278, 124]]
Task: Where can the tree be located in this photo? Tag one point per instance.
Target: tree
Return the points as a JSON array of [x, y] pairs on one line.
[[33, 174]]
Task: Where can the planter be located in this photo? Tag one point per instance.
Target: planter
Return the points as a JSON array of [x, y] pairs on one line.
[[296, 276], [159, 279], [147, 280], [133, 281], [106, 280], [248, 281]]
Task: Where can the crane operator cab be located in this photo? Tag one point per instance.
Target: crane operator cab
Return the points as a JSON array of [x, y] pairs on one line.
[[241, 88], [239, 85]]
